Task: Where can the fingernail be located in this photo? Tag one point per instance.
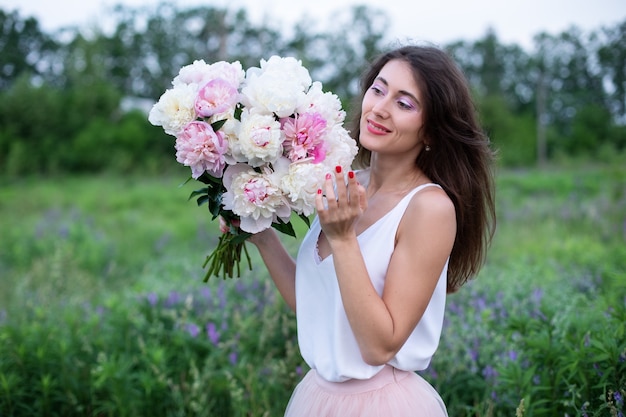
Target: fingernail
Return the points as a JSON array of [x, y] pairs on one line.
[[328, 176], [351, 174], [338, 169], [319, 191]]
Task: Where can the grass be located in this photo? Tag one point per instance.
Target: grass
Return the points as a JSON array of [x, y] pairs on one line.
[[103, 310]]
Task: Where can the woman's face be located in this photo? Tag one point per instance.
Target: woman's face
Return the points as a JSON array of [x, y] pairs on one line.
[[391, 111]]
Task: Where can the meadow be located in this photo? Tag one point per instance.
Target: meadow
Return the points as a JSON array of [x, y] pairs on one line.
[[104, 312]]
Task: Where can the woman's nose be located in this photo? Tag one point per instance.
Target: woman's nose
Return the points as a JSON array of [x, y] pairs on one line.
[[380, 107]]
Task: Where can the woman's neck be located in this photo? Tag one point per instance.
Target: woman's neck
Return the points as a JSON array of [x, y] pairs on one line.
[[394, 177]]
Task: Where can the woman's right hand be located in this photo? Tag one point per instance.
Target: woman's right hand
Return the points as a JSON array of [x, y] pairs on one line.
[[259, 239], [256, 239]]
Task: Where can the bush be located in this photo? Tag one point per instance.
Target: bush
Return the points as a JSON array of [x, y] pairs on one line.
[[104, 312]]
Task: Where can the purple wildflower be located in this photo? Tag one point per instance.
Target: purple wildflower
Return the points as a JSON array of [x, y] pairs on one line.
[[212, 333], [205, 293], [489, 372], [192, 329], [152, 299], [221, 296], [233, 358], [172, 299]]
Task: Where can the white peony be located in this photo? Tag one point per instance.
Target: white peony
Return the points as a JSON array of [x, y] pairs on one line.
[[259, 141], [300, 185], [341, 148], [278, 87], [255, 197], [289, 68], [175, 109], [326, 104], [200, 73]]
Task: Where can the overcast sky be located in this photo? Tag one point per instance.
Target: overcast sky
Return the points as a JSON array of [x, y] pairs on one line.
[[438, 21]]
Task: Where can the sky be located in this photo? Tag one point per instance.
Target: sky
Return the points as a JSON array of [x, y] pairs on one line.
[[435, 21]]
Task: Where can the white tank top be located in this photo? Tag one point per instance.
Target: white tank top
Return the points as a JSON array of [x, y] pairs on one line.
[[325, 338]]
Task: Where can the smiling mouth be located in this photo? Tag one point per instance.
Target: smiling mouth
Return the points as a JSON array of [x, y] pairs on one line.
[[376, 127]]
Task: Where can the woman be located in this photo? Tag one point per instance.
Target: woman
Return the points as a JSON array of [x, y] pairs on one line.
[[389, 241]]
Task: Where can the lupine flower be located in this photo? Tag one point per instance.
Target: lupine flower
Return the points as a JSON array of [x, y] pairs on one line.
[[152, 298], [172, 299], [192, 329], [212, 333]]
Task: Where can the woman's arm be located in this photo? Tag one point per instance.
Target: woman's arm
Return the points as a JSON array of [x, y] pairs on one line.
[[279, 263], [425, 236]]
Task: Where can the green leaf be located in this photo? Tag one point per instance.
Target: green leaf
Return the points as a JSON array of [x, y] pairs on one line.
[[202, 191], [215, 206], [185, 183], [286, 228], [202, 200], [218, 124], [207, 178], [238, 111], [240, 238]]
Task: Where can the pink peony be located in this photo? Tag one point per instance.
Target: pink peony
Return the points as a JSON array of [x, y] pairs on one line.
[[255, 197], [217, 96], [304, 137], [198, 146]]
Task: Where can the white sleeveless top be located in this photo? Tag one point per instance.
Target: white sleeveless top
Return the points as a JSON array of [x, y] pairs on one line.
[[325, 337]]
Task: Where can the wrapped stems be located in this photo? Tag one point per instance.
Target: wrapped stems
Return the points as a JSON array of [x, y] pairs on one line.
[[227, 257]]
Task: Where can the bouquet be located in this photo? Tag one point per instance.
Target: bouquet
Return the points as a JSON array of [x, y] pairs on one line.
[[260, 141]]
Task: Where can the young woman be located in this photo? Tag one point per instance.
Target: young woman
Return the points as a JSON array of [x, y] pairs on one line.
[[390, 240]]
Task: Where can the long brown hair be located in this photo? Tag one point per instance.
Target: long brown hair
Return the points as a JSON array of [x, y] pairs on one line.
[[460, 158]]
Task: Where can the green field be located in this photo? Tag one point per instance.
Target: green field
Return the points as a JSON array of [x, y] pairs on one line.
[[103, 311]]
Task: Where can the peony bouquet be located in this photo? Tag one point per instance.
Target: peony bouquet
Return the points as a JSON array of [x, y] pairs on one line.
[[261, 141]]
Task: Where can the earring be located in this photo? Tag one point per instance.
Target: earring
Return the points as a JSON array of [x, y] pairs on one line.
[[427, 148]]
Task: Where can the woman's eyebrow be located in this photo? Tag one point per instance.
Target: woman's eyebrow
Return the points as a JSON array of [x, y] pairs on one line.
[[403, 92]]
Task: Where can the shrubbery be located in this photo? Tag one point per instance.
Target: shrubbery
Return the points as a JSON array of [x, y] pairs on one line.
[[44, 130], [104, 311]]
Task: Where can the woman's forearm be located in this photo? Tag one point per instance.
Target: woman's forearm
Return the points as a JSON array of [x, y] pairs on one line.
[[280, 264]]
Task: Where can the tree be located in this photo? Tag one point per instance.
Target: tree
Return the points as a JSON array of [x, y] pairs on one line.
[[359, 38], [25, 48], [570, 83], [612, 59]]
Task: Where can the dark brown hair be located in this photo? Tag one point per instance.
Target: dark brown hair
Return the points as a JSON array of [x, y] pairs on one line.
[[460, 158]]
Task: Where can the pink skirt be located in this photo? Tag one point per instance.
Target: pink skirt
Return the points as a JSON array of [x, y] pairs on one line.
[[391, 392]]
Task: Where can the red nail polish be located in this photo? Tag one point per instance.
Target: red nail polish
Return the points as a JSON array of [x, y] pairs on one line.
[[319, 191], [338, 169], [328, 176], [351, 174]]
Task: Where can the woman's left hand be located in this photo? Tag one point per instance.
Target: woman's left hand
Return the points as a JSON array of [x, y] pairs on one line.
[[340, 206]]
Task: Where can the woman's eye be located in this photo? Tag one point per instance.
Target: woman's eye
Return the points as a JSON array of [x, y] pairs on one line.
[[376, 89], [405, 105]]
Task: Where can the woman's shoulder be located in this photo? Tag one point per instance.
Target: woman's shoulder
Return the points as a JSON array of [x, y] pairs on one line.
[[431, 202]]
